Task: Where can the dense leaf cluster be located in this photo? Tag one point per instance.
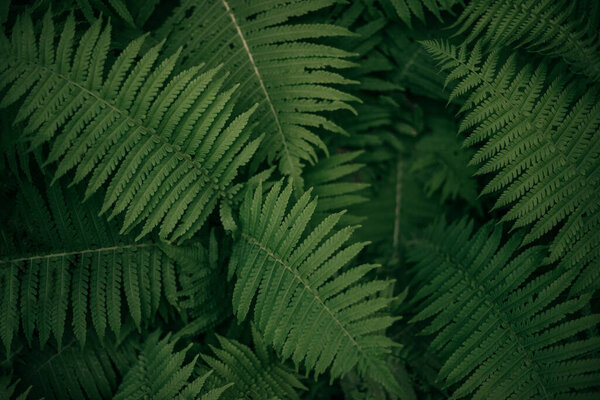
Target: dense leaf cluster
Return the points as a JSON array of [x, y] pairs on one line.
[[317, 199]]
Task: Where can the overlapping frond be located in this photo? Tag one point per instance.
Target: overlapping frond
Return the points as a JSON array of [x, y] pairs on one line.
[[203, 298], [406, 9], [502, 328], [7, 389], [445, 165], [277, 63], [542, 141], [75, 270], [74, 373], [556, 28], [307, 304], [160, 373], [165, 146], [255, 374], [334, 180]]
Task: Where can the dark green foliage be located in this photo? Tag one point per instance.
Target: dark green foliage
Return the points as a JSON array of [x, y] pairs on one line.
[[499, 332], [256, 375], [539, 136], [82, 269], [247, 199], [288, 270]]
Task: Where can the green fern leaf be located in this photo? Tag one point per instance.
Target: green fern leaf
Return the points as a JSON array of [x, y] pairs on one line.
[[164, 146], [277, 64], [553, 28], [302, 308], [257, 375], [160, 373], [73, 373], [85, 273], [541, 141], [501, 328]]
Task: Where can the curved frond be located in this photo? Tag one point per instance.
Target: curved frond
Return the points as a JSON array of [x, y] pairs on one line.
[[307, 304], [81, 272], [73, 373], [255, 374], [277, 63], [556, 28], [164, 145], [500, 324], [161, 373], [542, 142]]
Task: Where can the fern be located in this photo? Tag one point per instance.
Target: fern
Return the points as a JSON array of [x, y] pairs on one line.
[[257, 375], [335, 182], [74, 373], [165, 148], [160, 373], [203, 298], [82, 275], [501, 327], [7, 389], [339, 326], [257, 42], [145, 145], [406, 9], [541, 140], [560, 28]]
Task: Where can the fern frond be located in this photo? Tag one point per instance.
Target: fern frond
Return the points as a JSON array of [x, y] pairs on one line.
[[501, 328], [81, 271], [161, 373], [542, 143], [119, 7], [406, 9], [254, 374], [73, 373], [277, 64], [553, 28], [334, 180], [164, 145], [306, 304], [204, 297], [444, 163], [7, 389]]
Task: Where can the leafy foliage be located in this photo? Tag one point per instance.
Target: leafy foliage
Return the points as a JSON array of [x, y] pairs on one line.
[[256, 375], [540, 138], [82, 269], [75, 373], [277, 65], [168, 156], [564, 29], [287, 272], [225, 199], [160, 373], [500, 334]]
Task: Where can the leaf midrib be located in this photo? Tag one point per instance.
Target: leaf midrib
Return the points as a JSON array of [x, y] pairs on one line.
[[261, 82], [311, 290], [135, 122], [77, 252]]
